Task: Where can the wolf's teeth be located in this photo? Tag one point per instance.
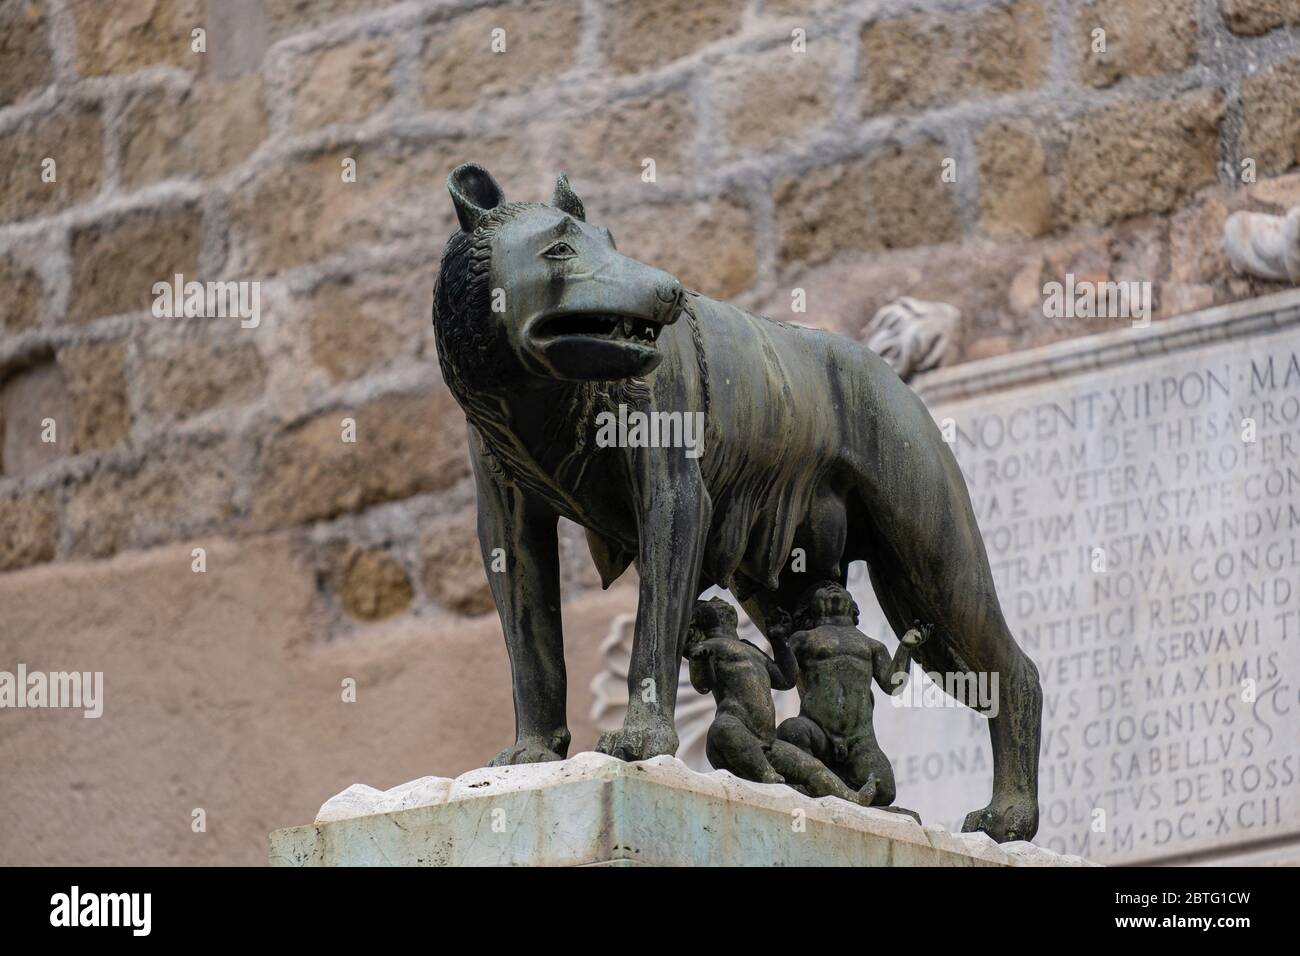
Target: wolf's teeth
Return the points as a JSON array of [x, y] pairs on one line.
[[625, 328]]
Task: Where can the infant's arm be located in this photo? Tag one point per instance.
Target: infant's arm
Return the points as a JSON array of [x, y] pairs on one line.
[[784, 671], [701, 668], [891, 675]]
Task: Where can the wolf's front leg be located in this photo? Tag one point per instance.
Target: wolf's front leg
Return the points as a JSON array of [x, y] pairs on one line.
[[516, 528], [673, 516]]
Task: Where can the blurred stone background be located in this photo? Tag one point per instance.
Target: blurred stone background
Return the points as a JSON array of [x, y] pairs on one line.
[[775, 170]]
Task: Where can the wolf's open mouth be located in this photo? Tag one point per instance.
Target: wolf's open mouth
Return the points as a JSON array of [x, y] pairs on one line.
[[601, 327]]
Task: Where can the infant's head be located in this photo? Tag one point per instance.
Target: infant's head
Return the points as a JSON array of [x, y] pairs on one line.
[[825, 603], [712, 618]]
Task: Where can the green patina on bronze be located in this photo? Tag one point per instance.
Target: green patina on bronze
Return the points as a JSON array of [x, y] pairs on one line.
[[811, 441]]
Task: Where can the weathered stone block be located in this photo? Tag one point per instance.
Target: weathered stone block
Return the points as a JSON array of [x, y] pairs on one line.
[[640, 36], [404, 446], [23, 304], [795, 7], [858, 205], [96, 379], [923, 60], [73, 139], [286, 17], [608, 148], [185, 380], [342, 84], [29, 530], [1141, 38], [453, 566], [1196, 242], [115, 263], [174, 490], [1270, 132], [357, 324], [1015, 197], [24, 50], [1255, 17], [29, 398], [1139, 158], [205, 131], [540, 43], [765, 100], [373, 584], [138, 34], [303, 209]]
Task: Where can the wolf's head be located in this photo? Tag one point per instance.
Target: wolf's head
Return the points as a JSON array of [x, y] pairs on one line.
[[531, 289]]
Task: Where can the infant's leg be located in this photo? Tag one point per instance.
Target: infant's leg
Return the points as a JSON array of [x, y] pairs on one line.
[[730, 745], [868, 769], [806, 735], [802, 768]]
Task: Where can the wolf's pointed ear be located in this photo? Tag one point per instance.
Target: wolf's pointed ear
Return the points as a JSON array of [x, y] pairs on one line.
[[566, 200], [473, 192]]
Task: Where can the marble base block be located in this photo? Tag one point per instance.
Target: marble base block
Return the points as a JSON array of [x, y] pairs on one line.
[[595, 810]]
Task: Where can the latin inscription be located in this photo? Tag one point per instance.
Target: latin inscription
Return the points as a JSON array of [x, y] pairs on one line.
[[1143, 526]]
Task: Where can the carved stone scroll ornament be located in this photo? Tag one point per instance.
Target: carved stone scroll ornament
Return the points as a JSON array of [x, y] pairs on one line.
[[1264, 246], [911, 335]]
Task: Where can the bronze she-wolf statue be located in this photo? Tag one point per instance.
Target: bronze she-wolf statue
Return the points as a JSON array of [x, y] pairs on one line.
[[810, 441]]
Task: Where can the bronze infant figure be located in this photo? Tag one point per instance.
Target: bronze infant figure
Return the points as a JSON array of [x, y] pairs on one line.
[[836, 665], [742, 737], [810, 441], [741, 678]]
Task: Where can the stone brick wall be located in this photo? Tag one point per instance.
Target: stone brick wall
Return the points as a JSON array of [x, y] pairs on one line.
[[775, 169]]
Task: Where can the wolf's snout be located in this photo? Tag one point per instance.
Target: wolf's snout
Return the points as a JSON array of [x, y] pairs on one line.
[[670, 297]]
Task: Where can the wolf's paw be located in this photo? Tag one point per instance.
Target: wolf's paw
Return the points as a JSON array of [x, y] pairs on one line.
[[639, 740], [527, 750], [1005, 819]]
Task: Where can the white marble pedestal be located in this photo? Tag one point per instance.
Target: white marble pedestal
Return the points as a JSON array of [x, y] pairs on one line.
[[594, 810]]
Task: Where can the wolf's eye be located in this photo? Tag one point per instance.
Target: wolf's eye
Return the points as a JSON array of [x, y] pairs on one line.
[[558, 250]]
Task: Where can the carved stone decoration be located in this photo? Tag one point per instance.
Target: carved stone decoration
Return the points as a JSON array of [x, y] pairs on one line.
[[1264, 246], [913, 336], [694, 711], [802, 442]]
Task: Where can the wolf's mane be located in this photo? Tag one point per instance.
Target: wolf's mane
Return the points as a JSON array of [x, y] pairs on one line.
[[467, 344]]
